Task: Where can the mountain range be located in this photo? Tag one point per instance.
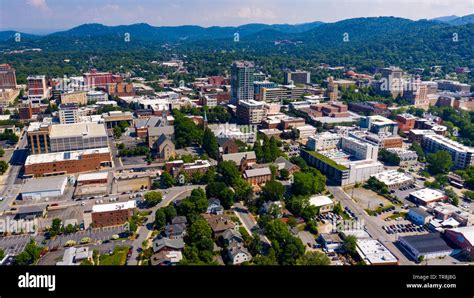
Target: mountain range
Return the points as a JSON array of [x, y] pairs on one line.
[[171, 34]]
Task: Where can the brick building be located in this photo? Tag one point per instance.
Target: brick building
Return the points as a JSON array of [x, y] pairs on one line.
[[112, 214], [67, 162]]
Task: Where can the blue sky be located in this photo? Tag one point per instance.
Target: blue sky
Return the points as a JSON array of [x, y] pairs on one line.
[[47, 15]]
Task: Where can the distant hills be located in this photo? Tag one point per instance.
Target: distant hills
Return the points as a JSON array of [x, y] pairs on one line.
[[187, 33], [455, 20]]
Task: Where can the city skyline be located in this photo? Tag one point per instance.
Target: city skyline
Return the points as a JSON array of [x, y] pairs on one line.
[[35, 16]]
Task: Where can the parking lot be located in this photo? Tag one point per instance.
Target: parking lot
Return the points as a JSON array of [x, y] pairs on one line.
[[405, 228], [368, 199], [402, 193]]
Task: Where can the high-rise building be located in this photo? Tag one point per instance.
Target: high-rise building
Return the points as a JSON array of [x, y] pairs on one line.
[[69, 113], [392, 81], [37, 89], [96, 79], [241, 81], [251, 111], [7, 77], [297, 77], [25, 111], [418, 94]]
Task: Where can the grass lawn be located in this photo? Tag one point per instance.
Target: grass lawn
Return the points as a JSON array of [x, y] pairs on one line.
[[118, 257]]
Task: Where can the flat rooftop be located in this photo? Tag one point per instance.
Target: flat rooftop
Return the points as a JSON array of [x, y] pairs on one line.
[[114, 206], [84, 130], [93, 176], [374, 253], [62, 156], [449, 143], [392, 177], [428, 195], [44, 184]]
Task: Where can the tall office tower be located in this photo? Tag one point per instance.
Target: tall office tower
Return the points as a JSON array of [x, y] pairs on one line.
[[332, 90], [7, 77], [297, 77], [241, 81], [417, 93], [392, 81], [37, 89]]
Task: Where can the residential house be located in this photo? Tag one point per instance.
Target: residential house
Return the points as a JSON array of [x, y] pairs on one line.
[[167, 244], [419, 216], [175, 231], [214, 207], [230, 236], [219, 223], [258, 176], [237, 253]]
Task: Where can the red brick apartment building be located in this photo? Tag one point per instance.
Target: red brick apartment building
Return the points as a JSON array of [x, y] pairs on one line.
[[107, 215]]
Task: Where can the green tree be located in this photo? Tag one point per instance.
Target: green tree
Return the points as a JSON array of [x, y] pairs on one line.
[[3, 167], [117, 132], [170, 213], [153, 198], [160, 219], [166, 180], [350, 244], [284, 174], [314, 258], [2, 152], [306, 183], [29, 255], [389, 157], [273, 191], [209, 143], [439, 162], [55, 228], [229, 171], [2, 254], [419, 151]]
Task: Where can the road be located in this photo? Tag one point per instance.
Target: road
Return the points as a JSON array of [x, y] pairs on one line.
[[145, 231], [249, 222], [373, 229], [11, 188]]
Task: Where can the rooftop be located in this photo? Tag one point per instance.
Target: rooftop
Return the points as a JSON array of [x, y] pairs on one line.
[[93, 176], [428, 195], [44, 184], [374, 252], [115, 206], [319, 201], [449, 143], [83, 130], [392, 177], [257, 172], [427, 243], [62, 156]]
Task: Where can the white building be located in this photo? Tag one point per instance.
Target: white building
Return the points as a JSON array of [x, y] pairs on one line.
[[373, 252], [323, 141], [427, 196], [394, 179], [361, 150], [463, 156], [324, 203], [42, 188], [97, 96]]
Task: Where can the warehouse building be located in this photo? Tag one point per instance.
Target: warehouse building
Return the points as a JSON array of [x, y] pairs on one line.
[[41, 188], [426, 196], [428, 246], [112, 214]]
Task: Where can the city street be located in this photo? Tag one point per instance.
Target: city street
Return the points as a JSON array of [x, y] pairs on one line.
[[144, 232], [248, 221], [10, 188], [373, 229]]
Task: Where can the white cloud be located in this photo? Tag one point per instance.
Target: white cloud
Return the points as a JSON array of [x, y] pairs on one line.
[[40, 4], [255, 12]]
